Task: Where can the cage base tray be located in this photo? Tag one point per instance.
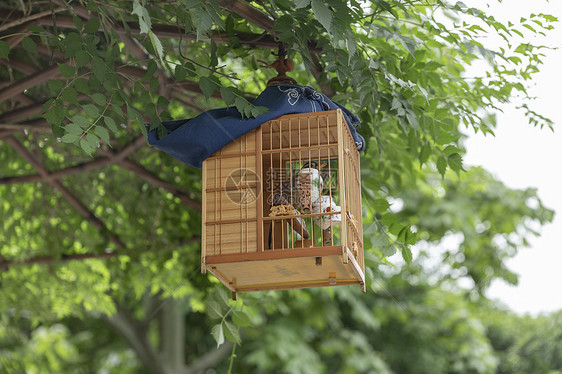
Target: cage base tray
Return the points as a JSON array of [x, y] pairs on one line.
[[286, 269]]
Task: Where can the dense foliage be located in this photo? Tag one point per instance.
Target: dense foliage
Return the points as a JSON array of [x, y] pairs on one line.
[[81, 79]]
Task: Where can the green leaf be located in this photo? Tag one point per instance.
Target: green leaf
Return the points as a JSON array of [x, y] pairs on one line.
[[229, 25], [222, 295], [73, 128], [214, 309], [202, 21], [442, 165], [102, 133], [69, 138], [180, 73], [388, 219], [243, 106], [98, 67], [241, 318], [163, 103], [110, 123], [445, 137], [77, 22], [29, 45], [323, 14], [190, 69], [92, 25], [301, 3], [228, 94], [55, 86], [257, 110], [412, 119], [218, 334], [154, 123], [425, 153], [455, 162], [144, 18], [82, 86], [207, 86], [81, 121], [380, 205], [384, 5], [231, 332], [69, 94], [72, 44], [86, 147], [450, 149], [157, 45], [82, 58], [408, 44], [56, 113], [91, 110], [4, 49], [388, 250], [99, 99], [407, 254], [92, 140], [214, 59], [395, 229], [150, 70], [142, 129]]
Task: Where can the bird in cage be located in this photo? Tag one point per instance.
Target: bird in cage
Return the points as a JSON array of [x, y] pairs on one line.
[[309, 186], [283, 203]]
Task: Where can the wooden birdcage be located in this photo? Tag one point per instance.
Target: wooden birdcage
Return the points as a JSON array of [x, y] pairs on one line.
[[282, 207]]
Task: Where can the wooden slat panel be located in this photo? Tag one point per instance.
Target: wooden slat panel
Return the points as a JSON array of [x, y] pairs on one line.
[[233, 204], [237, 238], [232, 170], [245, 143]]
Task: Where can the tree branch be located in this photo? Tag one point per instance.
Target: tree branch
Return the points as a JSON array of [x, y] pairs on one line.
[[18, 21], [133, 333], [77, 204], [156, 181], [113, 158], [262, 20], [173, 32], [209, 359], [52, 72], [38, 125], [22, 113], [78, 256], [248, 12]]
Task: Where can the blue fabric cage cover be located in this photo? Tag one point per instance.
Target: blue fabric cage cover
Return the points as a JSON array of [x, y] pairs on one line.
[[193, 140]]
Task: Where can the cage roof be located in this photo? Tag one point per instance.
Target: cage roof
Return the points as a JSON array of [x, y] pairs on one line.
[[193, 140]]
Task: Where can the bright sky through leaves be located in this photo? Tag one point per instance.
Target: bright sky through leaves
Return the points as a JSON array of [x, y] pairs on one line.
[[523, 156]]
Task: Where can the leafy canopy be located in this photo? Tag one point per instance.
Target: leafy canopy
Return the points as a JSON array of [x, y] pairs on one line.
[[96, 71]]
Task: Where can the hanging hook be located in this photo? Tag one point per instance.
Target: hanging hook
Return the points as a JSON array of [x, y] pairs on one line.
[[282, 65]]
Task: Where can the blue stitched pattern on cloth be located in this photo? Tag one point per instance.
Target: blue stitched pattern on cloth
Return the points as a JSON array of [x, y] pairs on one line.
[[193, 140]]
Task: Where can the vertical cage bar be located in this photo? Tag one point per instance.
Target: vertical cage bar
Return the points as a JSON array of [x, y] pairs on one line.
[[259, 190], [216, 195], [240, 208], [341, 186], [204, 216]]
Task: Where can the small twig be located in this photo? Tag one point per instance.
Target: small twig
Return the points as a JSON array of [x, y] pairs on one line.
[[231, 359], [213, 70], [31, 17], [54, 18]]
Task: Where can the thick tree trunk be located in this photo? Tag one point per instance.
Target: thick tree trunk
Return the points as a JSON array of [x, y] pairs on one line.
[[170, 358], [172, 336]]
